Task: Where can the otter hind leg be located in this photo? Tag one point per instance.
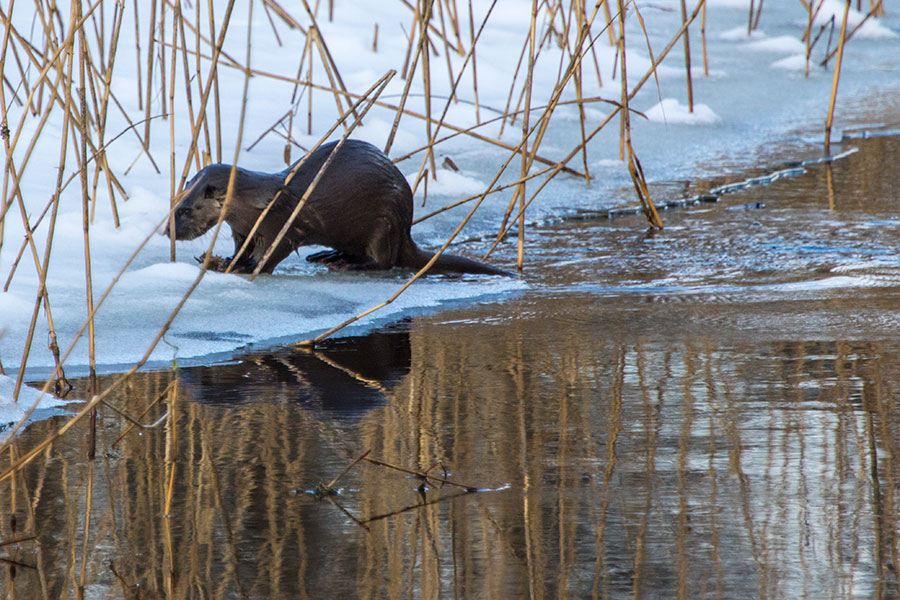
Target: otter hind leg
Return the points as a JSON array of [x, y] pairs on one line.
[[383, 249]]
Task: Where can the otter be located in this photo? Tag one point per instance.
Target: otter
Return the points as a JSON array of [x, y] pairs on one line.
[[362, 209]]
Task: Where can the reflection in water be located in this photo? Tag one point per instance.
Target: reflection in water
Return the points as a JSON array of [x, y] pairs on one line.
[[658, 439]]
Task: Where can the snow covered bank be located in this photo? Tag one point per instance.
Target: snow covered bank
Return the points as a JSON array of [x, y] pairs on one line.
[[749, 102]]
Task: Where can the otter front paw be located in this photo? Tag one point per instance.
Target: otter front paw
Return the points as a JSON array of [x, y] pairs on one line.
[[216, 263]]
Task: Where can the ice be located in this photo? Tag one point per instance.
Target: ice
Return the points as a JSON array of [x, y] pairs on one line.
[[12, 412], [744, 106]]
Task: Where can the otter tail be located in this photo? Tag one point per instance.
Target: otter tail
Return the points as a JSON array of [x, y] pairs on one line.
[[417, 258]]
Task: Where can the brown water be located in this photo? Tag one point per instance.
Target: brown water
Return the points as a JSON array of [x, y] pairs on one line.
[[705, 412]]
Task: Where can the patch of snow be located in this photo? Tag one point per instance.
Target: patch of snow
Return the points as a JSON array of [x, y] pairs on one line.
[[671, 111], [739, 34], [783, 43], [872, 28], [797, 62]]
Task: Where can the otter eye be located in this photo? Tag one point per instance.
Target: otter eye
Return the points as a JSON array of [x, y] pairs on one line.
[[209, 192]]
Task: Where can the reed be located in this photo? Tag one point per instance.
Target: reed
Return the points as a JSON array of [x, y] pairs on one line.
[[837, 76]]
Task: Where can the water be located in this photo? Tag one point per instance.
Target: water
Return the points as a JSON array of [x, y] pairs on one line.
[[703, 412]]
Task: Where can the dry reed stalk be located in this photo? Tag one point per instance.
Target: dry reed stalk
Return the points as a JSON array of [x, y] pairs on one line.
[[378, 89], [440, 121], [703, 40], [272, 23], [420, 48], [331, 68], [394, 107], [512, 86], [687, 57], [106, 77], [161, 32], [214, 75], [575, 59], [846, 38], [171, 116], [198, 75], [807, 35], [581, 21], [474, 64], [35, 224], [409, 43], [137, 54], [55, 96], [447, 49], [179, 25], [640, 18], [758, 14], [100, 397], [446, 244], [499, 188], [149, 91], [296, 168], [426, 81], [84, 132], [634, 168], [651, 71], [526, 164], [837, 75], [211, 82], [316, 38], [457, 131], [4, 127], [309, 91], [414, 9], [421, 271], [453, 11], [750, 18], [42, 295]]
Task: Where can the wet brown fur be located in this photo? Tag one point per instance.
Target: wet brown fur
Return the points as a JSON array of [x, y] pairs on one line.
[[362, 209]]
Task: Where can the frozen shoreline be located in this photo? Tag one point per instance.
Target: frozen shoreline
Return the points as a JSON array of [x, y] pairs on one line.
[[754, 97]]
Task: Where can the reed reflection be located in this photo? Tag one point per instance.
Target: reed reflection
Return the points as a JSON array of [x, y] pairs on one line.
[[635, 467]]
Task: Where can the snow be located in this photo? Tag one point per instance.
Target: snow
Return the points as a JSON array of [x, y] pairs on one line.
[[783, 44], [670, 110], [796, 62], [872, 29], [228, 313]]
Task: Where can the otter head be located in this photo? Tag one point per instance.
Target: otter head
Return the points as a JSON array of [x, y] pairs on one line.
[[200, 203]]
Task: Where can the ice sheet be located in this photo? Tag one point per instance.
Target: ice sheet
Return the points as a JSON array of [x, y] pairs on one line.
[[748, 103]]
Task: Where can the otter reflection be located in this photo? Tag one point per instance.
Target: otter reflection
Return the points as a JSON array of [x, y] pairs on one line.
[[345, 375]]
